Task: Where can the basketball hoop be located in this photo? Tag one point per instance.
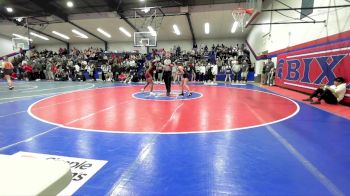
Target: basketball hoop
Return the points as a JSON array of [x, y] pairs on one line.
[[238, 15]]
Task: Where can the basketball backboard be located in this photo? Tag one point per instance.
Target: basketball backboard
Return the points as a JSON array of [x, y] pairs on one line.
[[142, 39], [20, 43]]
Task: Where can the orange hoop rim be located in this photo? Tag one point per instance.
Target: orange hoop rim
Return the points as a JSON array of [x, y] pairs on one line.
[[238, 14], [241, 11]]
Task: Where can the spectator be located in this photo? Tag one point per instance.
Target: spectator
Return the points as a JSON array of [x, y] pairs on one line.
[[49, 72], [236, 68], [330, 94], [228, 72], [8, 70], [202, 72], [263, 73], [28, 70], [122, 77], [268, 66], [244, 73], [104, 72], [271, 77], [214, 72]]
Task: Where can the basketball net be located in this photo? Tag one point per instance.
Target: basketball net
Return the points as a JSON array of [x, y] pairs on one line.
[[238, 16]]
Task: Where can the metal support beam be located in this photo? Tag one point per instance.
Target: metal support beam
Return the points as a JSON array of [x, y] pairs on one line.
[[129, 23], [118, 6], [106, 46], [296, 10], [161, 11], [51, 9], [165, 15], [191, 28], [301, 22], [306, 8], [132, 4], [114, 4], [90, 6]]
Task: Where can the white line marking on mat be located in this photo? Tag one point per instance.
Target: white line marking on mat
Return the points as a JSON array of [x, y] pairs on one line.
[[330, 186]]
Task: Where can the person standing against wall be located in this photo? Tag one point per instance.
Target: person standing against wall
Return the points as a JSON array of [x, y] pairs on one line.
[[268, 66], [8, 69], [263, 73]]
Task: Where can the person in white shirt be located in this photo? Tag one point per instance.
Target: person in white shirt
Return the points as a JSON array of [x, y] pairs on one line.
[[330, 94], [236, 68], [228, 72], [77, 68], [104, 72], [214, 72]]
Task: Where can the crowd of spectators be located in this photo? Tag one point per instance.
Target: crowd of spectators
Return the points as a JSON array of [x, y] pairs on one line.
[[203, 63]]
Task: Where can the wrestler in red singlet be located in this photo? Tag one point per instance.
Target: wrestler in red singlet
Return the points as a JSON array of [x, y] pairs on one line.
[[149, 78]]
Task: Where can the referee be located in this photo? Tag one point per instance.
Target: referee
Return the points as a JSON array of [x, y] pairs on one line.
[[167, 74]]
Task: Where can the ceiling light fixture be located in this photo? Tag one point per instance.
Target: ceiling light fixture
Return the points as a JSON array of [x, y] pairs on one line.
[[206, 28], [70, 4], [104, 32], [125, 31], [152, 31], [60, 34], [39, 36], [80, 34], [9, 9], [22, 37], [234, 27], [146, 9], [19, 19], [176, 29]]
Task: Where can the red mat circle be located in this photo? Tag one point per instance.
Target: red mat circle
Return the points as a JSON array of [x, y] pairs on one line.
[[115, 110]]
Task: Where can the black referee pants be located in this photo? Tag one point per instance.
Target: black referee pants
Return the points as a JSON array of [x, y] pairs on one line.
[[167, 81]]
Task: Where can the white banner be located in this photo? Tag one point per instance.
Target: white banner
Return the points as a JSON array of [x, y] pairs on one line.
[[82, 169]]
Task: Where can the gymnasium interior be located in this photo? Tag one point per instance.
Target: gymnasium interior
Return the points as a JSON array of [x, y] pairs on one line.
[[179, 97]]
